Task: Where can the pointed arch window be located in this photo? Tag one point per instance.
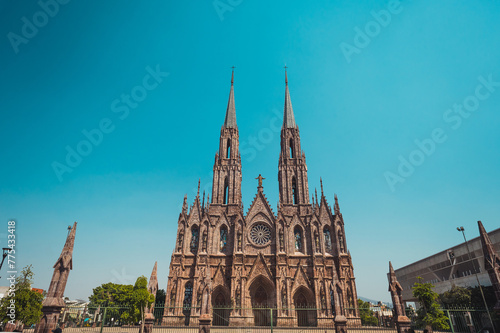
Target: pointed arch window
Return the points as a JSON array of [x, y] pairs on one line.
[[223, 238], [228, 153], [294, 191], [328, 239], [298, 239], [188, 296], [292, 155], [226, 192], [195, 237]]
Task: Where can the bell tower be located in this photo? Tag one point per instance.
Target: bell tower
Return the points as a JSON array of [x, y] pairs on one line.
[[292, 175], [226, 189]]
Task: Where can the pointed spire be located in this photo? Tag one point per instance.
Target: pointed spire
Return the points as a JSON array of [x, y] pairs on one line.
[[198, 192], [185, 205], [336, 207], [66, 257], [321, 183], [316, 193], [203, 201], [288, 117], [391, 270], [230, 121], [153, 280], [208, 200]]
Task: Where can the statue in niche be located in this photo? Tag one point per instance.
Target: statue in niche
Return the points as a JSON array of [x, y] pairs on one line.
[[204, 241], [282, 246], [239, 240], [238, 297], [316, 241], [284, 302], [181, 237]]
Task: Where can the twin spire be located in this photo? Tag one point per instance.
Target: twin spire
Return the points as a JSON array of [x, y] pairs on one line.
[[288, 117], [230, 121]]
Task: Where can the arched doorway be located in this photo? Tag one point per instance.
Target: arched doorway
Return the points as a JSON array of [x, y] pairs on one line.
[[221, 307], [303, 301], [263, 298]]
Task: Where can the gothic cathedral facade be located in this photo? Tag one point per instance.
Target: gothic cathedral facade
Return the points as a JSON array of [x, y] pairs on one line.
[[294, 261]]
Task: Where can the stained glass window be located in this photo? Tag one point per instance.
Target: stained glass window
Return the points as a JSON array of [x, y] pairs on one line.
[[223, 238], [188, 295], [195, 235], [260, 234], [298, 238], [328, 239]]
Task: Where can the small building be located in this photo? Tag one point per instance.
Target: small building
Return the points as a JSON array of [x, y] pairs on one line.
[[448, 268]]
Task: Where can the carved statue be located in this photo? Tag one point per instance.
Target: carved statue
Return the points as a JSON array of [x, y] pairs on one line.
[[282, 248], [204, 241], [284, 303], [181, 237], [239, 240]]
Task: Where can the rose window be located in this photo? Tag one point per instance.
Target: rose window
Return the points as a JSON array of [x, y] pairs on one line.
[[260, 234]]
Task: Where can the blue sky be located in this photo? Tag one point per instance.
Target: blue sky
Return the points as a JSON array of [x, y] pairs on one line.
[[359, 114]]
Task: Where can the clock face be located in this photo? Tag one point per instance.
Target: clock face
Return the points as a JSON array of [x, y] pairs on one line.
[[260, 234]]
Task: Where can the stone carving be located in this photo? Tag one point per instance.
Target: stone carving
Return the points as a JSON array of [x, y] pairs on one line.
[[240, 237], [204, 241], [282, 245]]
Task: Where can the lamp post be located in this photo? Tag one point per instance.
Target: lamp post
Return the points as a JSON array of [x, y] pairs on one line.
[[461, 229], [5, 252]]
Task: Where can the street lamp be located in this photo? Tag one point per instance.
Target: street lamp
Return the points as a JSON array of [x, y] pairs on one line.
[[475, 273], [5, 252]]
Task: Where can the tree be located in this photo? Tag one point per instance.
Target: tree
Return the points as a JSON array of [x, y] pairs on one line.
[[367, 317], [131, 300], [141, 298], [456, 296], [27, 303], [429, 315]]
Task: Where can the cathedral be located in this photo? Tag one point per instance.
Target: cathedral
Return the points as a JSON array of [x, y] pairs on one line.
[[291, 267]]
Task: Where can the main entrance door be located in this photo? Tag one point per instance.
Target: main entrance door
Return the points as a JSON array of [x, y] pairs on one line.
[[221, 309], [304, 308], [263, 302]]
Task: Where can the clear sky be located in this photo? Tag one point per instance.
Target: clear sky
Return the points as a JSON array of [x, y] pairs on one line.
[[367, 79]]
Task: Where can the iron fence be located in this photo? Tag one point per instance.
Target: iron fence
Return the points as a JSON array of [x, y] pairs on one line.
[[123, 319]]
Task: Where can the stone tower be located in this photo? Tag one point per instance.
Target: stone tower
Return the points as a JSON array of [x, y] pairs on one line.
[[53, 302], [230, 263], [491, 263], [403, 323]]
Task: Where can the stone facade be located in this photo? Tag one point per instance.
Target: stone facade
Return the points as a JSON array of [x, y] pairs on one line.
[[290, 260], [491, 263]]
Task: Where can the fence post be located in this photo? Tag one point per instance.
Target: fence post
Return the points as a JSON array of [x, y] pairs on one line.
[[449, 319], [103, 318], [271, 320]]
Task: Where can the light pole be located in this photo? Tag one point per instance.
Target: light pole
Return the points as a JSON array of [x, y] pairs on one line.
[[475, 273], [5, 252]]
